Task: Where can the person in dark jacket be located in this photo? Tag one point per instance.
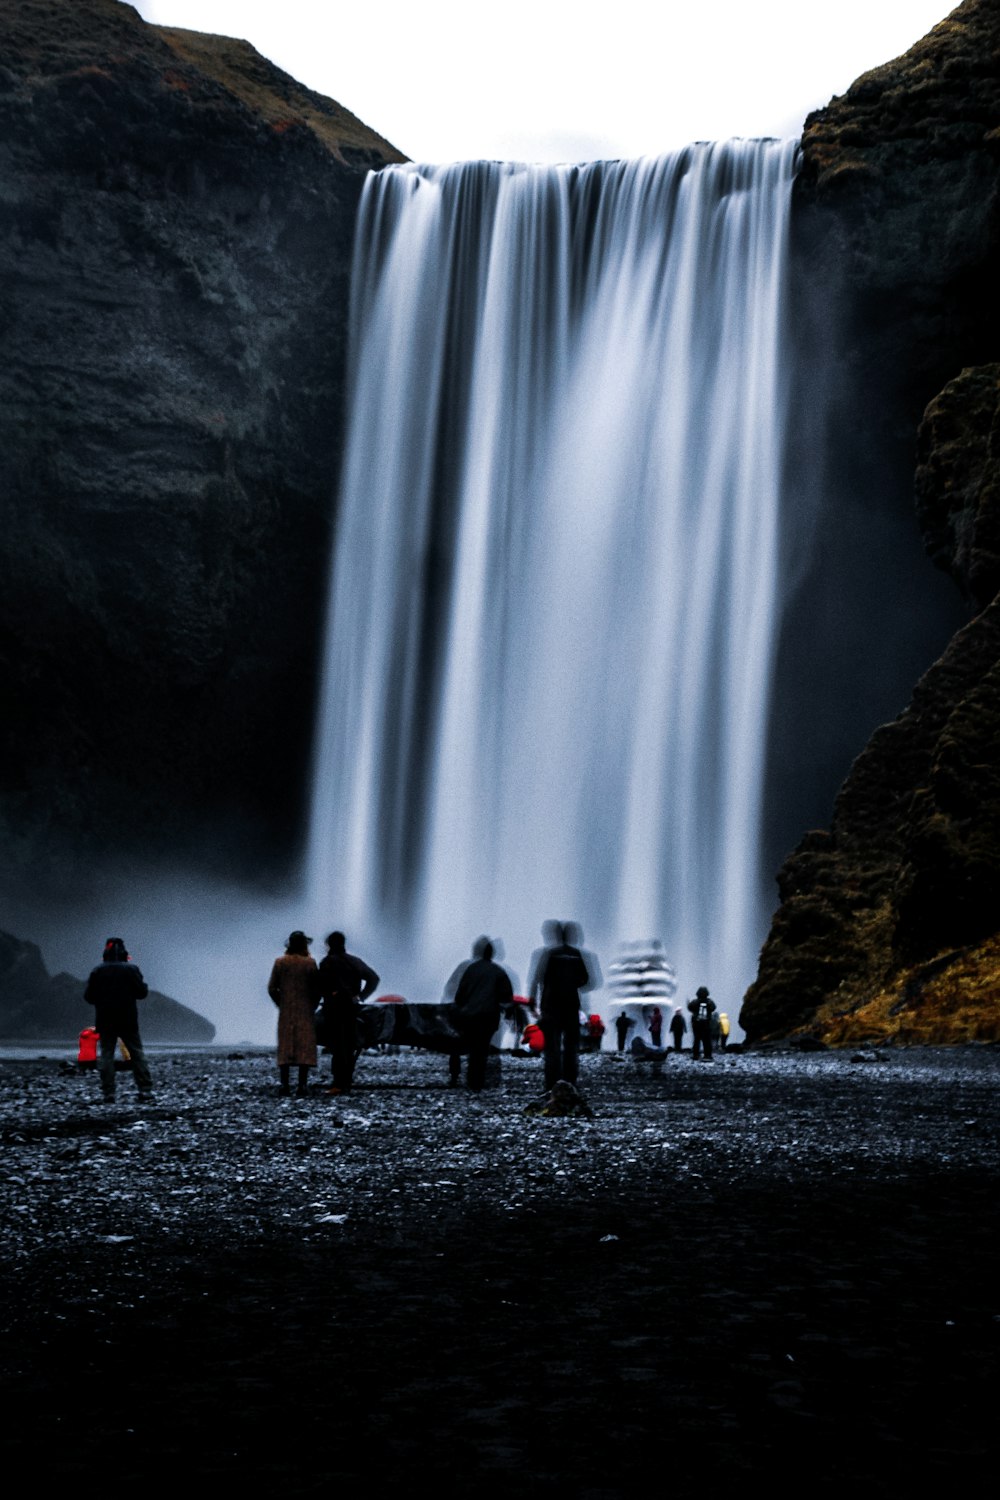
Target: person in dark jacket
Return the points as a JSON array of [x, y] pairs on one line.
[[113, 989], [702, 1008], [678, 1026], [483, 988], [344, 979], [559, 973]]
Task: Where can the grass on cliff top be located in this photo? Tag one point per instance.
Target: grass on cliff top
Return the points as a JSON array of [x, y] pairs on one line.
[[273, 95], [960, 1002]]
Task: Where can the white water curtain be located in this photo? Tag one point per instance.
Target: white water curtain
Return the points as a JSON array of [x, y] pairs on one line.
[[553, 592]]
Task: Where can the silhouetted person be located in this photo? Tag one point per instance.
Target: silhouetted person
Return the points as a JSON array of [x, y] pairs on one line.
[[678, 1026], [559, 973], [483, 988], [113, 989], [344, 980], [656, 1026], [450, 991], [622, 1027], [292, 987], [702, 1008]]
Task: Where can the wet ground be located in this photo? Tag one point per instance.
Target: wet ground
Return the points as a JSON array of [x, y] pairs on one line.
[[777, 1266]]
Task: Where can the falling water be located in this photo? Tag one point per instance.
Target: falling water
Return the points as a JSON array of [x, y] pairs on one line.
[[553, 595]]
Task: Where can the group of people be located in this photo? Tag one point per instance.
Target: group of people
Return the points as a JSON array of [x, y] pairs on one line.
[[298, 985], [709, 1027], [317, 1006]]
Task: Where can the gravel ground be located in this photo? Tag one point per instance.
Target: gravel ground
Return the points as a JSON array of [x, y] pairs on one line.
[[734, 1269]]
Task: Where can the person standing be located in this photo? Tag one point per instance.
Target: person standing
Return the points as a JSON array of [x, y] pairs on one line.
[[292, 987], [724, 1029], [482, 990], [113, 989], [559, 973], [344, 980], [702, 1008], [678, 1027], [656, 1026]]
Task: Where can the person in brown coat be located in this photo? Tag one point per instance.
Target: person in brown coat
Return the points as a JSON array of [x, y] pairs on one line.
[[294, 989]]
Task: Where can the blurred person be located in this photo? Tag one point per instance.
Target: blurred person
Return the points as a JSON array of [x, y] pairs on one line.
[[558, 974], [482, 990], [678, 1029], [293, 988], [113, 989], [656, 1026], [344, 981], [724, 1029]]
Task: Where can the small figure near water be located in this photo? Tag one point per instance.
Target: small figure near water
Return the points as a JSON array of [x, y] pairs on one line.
[[623, 1026], [702, 1009], [559, 973], [344, 981], [724, 1029], [293, 988], [678, 1028], [113, 989], [482, 990]]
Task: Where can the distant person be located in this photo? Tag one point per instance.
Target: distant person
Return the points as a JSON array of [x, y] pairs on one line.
[[702, 1008], [344, 980], [558, 974], [622, 1027], [292, 987], [724, 1029], [483, 989], [678, 1029], [656, 1026], [113, 989]]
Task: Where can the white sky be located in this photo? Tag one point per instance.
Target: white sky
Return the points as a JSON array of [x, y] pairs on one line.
[[557, 80]]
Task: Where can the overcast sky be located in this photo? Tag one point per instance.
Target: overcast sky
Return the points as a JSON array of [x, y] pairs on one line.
[[558, 80]]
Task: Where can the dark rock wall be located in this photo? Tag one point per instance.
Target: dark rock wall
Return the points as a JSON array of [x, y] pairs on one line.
[[897, 243], [176, 219]]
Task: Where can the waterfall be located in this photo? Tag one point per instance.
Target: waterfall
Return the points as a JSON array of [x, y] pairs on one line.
[[553, 590]]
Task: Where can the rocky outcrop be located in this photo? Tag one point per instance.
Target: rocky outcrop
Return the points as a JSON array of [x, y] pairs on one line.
[[888, 925], [37, 1006], [176, 219]]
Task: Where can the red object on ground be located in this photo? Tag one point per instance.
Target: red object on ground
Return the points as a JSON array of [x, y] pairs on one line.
[[391, 999], [88, 1045], [534, 1038]]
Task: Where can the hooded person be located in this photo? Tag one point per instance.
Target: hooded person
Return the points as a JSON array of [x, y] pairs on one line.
[[558, 974], [113, 989], [483, 990], [702, 1009]]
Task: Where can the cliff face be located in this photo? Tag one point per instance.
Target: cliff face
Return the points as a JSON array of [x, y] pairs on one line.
[[175, 229], [889, 924]]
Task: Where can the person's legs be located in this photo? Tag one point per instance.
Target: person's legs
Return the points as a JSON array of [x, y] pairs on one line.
[[479, 1051], [140, 1067], [106, 1062], [303, 1087], [285, 1071], [553, 1052], [571, 1049]]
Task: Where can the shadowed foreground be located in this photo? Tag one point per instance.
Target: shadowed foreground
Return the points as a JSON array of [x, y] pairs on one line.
[[746, 1268]]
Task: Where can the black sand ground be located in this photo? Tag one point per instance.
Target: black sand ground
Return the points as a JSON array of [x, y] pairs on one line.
[[775, 1267]]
